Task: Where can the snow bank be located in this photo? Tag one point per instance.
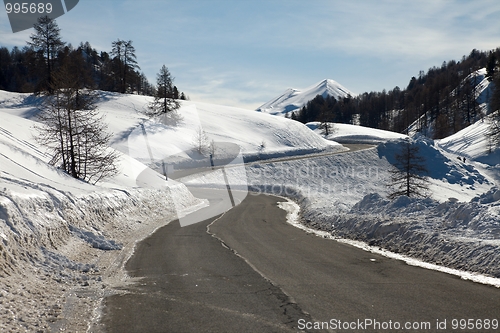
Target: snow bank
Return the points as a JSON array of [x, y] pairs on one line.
[[460, 235], [63, 242], [293, 218], [55, 250], [346, 133], [344, 195]]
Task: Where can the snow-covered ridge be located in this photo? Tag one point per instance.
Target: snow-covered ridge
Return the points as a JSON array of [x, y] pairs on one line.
[[293, 99]]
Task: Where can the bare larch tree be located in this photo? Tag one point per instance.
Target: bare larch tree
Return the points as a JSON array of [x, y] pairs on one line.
[[409, 175], [72, 130]]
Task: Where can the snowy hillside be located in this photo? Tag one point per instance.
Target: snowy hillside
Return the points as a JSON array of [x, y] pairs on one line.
[[258, 135], [483, 89], [293, 99], [60, 236], [472, 143]]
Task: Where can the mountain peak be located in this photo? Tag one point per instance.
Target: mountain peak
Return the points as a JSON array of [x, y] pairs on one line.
[[293, 99]]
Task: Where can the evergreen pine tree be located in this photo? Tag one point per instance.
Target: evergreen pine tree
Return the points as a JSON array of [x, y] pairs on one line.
[[47, 40], [125, 61], [164, 104], [491, 66]]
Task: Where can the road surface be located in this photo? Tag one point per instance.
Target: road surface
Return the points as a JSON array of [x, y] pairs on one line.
[[283, 279], [191, 283]]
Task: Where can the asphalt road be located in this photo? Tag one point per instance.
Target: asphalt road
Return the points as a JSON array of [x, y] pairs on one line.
[[191, 283], [194, 282]]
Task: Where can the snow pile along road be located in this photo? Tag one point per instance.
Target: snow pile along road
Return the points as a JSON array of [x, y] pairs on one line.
[[346, 133], [63, 242], [458, 226], [59, 250], [345, 194], [454, 234]]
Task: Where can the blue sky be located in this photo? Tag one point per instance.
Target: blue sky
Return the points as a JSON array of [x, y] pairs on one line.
[[245, 52]]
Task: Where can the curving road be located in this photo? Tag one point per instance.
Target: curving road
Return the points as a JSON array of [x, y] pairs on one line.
[[249, 271], [190, 283]]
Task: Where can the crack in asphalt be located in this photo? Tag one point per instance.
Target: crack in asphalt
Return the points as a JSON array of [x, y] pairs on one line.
[[290, 308]]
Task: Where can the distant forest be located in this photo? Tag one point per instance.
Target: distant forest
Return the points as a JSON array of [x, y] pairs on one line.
[[24, 69], [444, 96]]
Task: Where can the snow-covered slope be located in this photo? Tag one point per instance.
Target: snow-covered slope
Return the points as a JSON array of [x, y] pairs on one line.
[[472, 142], [56, 232], [256, 134], [483, 91], [293, 99], [484, 88], [346, 133]]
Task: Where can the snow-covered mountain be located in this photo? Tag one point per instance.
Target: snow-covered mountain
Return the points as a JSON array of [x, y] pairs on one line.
[[293, 99]]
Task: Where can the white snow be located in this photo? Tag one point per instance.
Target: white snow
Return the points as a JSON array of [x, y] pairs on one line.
[[456, 227], [472, 143], [293, 218], [258, 135], [346, 133], [293, 99], [63, 242]]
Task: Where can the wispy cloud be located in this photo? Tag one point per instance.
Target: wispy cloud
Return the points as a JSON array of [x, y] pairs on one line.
[[397, 28], [245, 52]]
